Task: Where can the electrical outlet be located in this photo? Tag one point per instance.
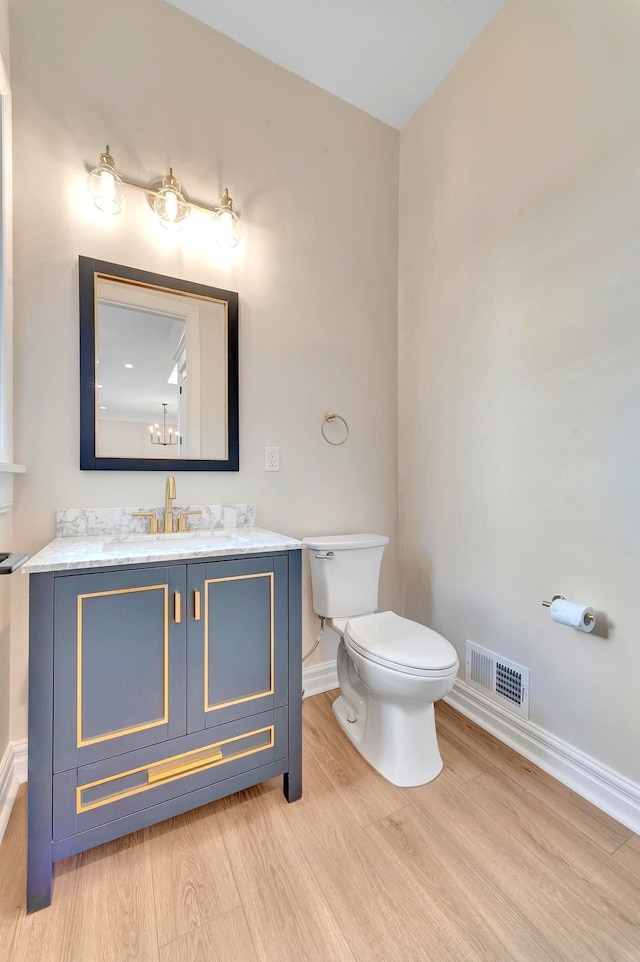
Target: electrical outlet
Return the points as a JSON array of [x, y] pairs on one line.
[[272, 459]]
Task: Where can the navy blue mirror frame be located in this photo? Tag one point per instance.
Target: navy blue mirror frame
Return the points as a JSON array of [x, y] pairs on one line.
[[89, 460]]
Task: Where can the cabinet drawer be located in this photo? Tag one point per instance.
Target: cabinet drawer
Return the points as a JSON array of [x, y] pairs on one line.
[[98, 793]]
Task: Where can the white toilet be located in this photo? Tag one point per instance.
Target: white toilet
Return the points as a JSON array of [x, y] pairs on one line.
[[391, 670]]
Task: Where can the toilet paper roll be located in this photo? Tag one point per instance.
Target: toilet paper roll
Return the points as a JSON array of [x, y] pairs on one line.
[[573, 615]]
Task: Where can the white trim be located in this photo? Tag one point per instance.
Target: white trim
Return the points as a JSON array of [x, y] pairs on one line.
[[13, 771], [20, 760], [319, 678], [6, 493], [610, 791], [9, 468]]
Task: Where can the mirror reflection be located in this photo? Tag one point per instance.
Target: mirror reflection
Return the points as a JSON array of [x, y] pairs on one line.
[[161, 373], [158, 372]]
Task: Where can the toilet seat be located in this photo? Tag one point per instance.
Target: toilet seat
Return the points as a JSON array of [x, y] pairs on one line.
[[400, 644]]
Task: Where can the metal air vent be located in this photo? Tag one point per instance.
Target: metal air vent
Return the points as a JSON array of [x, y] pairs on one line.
[[504, 681]]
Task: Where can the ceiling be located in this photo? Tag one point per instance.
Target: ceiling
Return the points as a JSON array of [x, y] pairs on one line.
[[383, 56]]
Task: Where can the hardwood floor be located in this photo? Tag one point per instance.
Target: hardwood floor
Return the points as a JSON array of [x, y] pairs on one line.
[[493, 861]]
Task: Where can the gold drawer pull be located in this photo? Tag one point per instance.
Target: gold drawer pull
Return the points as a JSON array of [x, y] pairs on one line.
[[177, 614], [196, 605], [172, 771]]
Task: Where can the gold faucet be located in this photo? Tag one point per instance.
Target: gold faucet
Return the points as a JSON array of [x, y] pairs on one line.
[[169, 496]]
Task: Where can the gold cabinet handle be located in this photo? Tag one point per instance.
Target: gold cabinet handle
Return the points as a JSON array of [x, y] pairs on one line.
[[196, 605], [164, 772], [177, 613]]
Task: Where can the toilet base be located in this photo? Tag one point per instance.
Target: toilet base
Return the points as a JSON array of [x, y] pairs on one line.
[[397, 739]]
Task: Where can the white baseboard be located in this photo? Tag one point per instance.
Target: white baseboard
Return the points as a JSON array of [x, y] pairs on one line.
[[319, 678], [610, 791], [13, 771]]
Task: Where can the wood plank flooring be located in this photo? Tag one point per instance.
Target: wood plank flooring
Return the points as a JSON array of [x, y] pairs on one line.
[[493, 861]]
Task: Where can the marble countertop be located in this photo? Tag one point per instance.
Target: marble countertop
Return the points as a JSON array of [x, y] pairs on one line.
[[100, 551]]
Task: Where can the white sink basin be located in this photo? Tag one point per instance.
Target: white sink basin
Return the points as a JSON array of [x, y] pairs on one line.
[[180, 541]]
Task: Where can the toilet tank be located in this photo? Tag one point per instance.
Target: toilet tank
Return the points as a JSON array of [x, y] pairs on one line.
[[345, 571]]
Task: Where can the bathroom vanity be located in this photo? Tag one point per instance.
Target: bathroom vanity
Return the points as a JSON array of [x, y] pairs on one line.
[[164, 673]]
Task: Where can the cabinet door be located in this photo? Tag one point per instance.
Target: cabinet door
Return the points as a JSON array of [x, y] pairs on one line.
[[119, 663], [237, 639]]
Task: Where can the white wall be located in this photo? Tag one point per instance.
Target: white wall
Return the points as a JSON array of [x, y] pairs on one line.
[[316, 184], [212, 334], [519, 357], [130, 439]]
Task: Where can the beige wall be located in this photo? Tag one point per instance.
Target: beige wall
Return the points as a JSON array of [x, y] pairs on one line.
[[519, 353], [6, 544], [4, 33], [6, 482], [316, 183]]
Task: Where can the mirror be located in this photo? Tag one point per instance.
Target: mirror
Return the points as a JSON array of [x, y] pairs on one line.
[[158, 372]]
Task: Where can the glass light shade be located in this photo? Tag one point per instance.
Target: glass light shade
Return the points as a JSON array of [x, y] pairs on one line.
[[227, 228], [105, 185], [169, 203]]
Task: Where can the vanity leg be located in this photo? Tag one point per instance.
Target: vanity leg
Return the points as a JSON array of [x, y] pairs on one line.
[[292, 786], [40, 784], [292, 780], [39, 878]]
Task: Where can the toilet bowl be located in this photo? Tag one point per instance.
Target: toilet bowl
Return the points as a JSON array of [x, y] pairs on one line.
[[391, 670]]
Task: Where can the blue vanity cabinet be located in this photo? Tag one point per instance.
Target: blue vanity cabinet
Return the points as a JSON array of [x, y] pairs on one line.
[[237, 639], [154, 689]]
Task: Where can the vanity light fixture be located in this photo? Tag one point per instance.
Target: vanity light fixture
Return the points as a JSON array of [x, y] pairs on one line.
[[226, 223], [160, 435], [170, 203], [166, 197], [106, 186]]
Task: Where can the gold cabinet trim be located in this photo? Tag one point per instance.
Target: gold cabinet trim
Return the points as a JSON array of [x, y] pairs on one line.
[[82, 742], [172, 771], [259, 694]]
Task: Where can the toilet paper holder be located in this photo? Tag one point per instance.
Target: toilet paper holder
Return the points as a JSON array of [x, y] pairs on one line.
[[547, 604]]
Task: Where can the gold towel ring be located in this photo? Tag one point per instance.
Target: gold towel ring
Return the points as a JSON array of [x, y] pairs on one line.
[[334, 417]]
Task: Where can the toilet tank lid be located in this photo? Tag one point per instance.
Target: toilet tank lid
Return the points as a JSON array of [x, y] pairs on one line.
[[341, 542]]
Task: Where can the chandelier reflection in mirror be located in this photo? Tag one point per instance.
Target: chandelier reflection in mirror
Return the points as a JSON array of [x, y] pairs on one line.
[[163, 435], [166, 197]]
